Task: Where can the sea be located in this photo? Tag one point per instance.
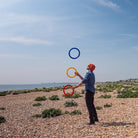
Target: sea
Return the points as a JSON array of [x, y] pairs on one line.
[[31, 86]]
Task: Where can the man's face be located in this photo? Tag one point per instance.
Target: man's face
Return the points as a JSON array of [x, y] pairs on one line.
[[88, 67]]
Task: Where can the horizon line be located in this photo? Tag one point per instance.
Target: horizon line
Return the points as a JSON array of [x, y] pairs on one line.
[[69, 82]]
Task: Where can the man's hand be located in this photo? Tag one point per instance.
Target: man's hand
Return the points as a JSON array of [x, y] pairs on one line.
[[76, 73], [77, 85], [74, 87]]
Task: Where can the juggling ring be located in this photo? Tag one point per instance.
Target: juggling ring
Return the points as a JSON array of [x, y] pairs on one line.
[[78, 53], [64, 90], [68, 71]]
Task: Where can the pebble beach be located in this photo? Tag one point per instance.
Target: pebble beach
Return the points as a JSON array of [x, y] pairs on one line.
[[118, 121]]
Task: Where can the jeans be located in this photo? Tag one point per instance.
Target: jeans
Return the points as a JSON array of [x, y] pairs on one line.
[[89, 98]]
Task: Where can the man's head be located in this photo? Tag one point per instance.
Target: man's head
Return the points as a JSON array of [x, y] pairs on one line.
[[91, 67]]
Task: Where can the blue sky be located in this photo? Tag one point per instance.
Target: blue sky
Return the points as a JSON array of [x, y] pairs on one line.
[[35, 37]]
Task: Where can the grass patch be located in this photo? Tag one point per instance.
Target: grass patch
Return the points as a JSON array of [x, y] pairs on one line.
[[122, 103], [2, 108], [16, 93], [2, 119], [98, 107], [3, 93], [67, 112], [107, 105], [43, 98], [46, 90], [105, 96], [76, 112], [54, 97], [127, 94], [70, 103], [37, 104], [82, 91], [51, 113], [37, 115], [75, 95], [108, 87], [52, 89]]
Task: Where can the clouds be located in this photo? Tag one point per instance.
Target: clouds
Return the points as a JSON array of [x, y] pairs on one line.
[[23, 57], [135, 48], [9, 3], [108, 3], [26, 41], [9, 19], [129, 35], [30, 29], [24, 28]]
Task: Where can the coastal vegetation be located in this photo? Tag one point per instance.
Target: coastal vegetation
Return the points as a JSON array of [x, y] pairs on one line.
[[54, 97], [98, 107], [43, 98], [67, 112], [105, 96], [124, 89], [3, 93], [107, 105], [37, 104], [2, 108], [75, 95], [52, 112], [37, 115], [126, 93], [82, 91], [70, 103], [2, 119], [76, 112], [16, 92]]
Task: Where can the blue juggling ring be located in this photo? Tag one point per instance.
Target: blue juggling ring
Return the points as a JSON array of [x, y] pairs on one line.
[[75, 49]]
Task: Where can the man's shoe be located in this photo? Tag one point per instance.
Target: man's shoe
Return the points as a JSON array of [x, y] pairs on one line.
[[90, 123], [96, 120]]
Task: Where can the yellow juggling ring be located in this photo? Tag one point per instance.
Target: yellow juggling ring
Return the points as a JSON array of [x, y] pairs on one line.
[[68, 71]]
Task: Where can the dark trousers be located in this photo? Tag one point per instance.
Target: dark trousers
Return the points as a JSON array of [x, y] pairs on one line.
[[89, 97]]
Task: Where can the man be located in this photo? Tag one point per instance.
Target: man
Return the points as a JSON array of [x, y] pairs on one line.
[[89, 82]]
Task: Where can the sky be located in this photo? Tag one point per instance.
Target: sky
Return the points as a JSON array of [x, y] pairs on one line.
[[36, 36]]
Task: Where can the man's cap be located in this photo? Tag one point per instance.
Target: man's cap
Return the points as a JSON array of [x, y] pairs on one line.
[[91, 67]]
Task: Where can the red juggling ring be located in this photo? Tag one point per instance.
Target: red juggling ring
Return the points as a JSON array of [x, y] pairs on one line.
[[64, 90]]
